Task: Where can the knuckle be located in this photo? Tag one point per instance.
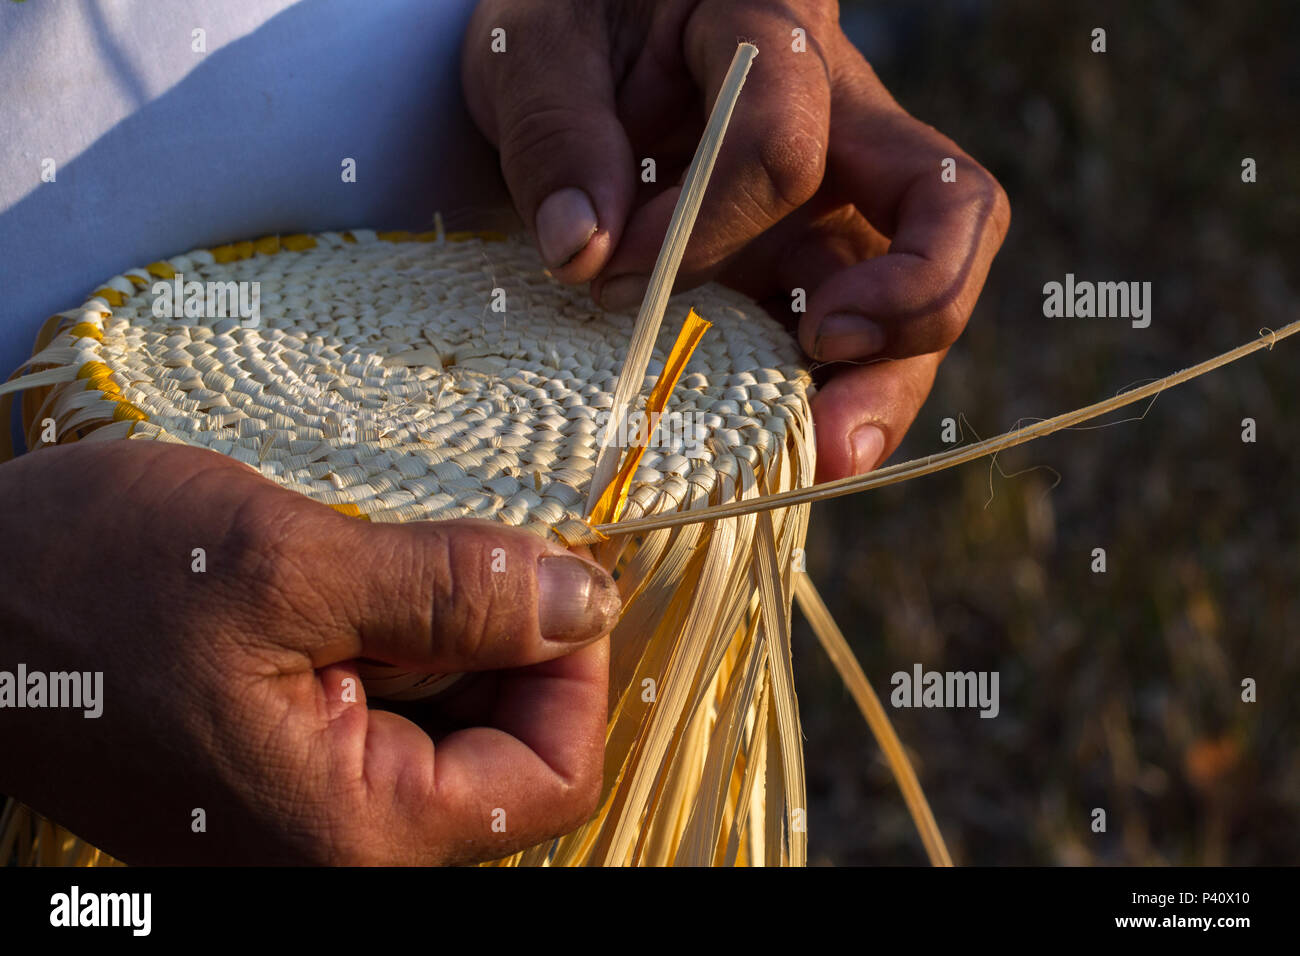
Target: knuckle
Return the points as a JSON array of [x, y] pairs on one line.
[[1000, 211], [821, 11], [262, 560], [994, 206], [947, 324], [464, 600], [536, 131], [793, 158], [255, 540], [583, 795]]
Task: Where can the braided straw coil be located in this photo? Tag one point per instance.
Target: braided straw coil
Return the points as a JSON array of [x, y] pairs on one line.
[[403, 378]]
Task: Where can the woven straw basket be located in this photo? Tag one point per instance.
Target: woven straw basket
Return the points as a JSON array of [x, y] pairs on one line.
[[382, 381]]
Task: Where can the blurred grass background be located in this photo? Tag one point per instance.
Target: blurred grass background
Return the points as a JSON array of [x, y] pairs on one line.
[[1118, 690]]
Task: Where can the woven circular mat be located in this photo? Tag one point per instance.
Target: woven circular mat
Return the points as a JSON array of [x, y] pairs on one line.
[[422, 380]]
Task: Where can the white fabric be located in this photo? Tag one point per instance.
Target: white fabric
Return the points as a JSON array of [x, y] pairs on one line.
[[160, 149]]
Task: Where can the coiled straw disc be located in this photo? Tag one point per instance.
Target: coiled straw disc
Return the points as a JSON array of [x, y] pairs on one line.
[[433, 377]]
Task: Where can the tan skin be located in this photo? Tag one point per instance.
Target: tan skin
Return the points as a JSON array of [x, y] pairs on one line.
[[824, 183], [225, 690]]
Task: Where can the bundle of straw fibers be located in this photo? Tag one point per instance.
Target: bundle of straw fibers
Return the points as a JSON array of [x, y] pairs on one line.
[[381, 381]]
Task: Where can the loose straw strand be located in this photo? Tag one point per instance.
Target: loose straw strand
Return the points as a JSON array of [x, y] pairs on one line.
[[837, 649], [908, 470], [660, 287]]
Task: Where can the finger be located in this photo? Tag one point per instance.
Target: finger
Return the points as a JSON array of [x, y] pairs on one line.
[[488, 791], [944, 234], [862, 413], [453, 596], [341, 688], [547, 102], [808, 248], [470, 701], [773, 156]]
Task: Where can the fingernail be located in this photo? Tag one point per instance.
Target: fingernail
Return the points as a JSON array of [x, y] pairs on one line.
[[623, 292], [867, 442], [843, 335], [576, 600], [565, 222]]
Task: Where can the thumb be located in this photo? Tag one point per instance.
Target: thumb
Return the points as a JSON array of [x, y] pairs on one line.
[[452, 596], [539, 84]]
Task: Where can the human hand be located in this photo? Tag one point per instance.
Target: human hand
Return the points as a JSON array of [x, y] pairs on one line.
[[824, 184], [226, 689]]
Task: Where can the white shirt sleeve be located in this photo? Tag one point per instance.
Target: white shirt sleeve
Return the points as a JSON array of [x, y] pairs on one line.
[[126, 136]]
